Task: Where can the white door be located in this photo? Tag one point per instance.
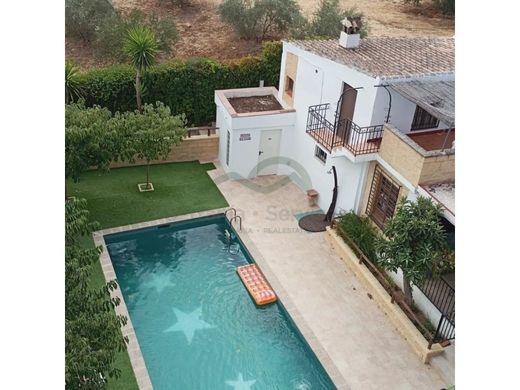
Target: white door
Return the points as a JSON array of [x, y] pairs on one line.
[[268, 152]]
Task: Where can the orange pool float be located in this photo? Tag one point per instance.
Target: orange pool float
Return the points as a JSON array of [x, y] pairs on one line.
[[256, 284]]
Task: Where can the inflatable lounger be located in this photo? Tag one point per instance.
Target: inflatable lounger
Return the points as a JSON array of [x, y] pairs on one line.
[[256, 284]]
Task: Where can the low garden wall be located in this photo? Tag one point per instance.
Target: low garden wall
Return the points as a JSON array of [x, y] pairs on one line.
[[383, 299], [202, 148]]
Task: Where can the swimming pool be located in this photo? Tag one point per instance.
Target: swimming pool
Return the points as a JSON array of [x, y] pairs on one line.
[[197, 326]]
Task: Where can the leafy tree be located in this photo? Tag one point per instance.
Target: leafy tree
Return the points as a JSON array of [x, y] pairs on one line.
[[446, 6], [150, 134], [83, 17], [260, 18], [92, 330], [110, 36], [415, 242], [91, 139], [326, 21], [73, 89], [141, 48]]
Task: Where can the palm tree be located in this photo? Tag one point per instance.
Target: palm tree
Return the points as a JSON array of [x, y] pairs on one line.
[[73, 88], [141, 47]]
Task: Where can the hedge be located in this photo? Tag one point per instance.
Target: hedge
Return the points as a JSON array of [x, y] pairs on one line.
[[186, 86]]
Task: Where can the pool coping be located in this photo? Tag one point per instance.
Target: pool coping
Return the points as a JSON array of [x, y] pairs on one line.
[[134, 350]]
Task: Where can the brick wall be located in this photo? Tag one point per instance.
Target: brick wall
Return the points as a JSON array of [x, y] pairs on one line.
[[201, 148], [416, 168]]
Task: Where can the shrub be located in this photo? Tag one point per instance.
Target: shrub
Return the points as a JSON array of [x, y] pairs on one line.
[[83, 17], [261, 18], [113, 29], [326, 21], [361, 231], [446, 6], [186, 86]]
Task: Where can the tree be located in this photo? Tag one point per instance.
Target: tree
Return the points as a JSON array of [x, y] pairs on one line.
[[83, 17], [415, 241], [111, 34], [92, 330], [257, 19], [73, 89], [141, 48], [91, 139], [150, 134]]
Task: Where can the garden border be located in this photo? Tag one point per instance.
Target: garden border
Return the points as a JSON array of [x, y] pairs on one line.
[[403, 324]]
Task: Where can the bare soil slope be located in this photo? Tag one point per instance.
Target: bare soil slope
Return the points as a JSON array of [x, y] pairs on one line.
[[203, 34]]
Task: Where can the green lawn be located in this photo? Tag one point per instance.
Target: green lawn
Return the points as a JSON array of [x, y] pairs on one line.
[[114, 200], [180, 188]]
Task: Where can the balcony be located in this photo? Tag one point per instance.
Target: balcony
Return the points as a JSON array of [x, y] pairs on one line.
[[342, 133]]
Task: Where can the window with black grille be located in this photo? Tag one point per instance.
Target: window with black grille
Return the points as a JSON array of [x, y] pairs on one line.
[[383, 197], [423, 120], [320, 154]]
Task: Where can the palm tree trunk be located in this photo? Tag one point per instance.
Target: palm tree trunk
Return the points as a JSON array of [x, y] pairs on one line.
[[138, 89], [407, 289]]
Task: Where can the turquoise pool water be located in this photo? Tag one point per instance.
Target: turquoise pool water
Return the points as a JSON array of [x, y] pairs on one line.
[[196, 324]]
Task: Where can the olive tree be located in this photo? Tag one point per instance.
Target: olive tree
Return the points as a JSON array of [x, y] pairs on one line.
[[92, 329], [415, 242], [260, 18], [150, 134]]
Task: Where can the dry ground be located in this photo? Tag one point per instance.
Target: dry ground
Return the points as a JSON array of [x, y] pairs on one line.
[[203, 34]]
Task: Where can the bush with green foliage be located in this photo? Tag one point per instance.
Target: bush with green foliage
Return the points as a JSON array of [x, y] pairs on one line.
[[92, 330], [361, 231], [325, 22], [260, 18], [186, 86], [113, 29], [446, 6], [414, 242], [91, 139], [84, 17]]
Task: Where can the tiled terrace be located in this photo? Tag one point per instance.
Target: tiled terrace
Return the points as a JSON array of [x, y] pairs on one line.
[[434, 139], [355, 340]]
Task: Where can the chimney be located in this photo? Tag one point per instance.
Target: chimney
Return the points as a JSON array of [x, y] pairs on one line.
[[350, 35]]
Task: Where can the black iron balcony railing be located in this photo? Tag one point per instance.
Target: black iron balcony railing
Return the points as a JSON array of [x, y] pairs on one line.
[[342, 133]]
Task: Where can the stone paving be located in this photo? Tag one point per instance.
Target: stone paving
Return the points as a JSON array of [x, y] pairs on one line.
[[352, 337]]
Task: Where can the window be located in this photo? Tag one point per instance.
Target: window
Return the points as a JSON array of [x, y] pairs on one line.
[[423, 120], [383, 198], [320, 154], [289, 85], [228, 141]]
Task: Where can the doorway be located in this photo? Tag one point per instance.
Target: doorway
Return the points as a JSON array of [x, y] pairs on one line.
[[346, 110], [269, 149]]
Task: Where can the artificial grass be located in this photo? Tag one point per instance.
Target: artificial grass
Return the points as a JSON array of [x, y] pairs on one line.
[[114, 200], [180, 188]]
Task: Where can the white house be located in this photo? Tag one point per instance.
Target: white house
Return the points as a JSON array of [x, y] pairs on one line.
[[380, 110], [334, 110]]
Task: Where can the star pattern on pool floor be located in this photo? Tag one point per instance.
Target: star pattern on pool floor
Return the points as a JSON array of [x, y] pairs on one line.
[[188, 323], [159, 282], [240, 383]]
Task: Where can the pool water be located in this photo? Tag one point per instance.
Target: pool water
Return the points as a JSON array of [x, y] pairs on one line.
[[196, 324]]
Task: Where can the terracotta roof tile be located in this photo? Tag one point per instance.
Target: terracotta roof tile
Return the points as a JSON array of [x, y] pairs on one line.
[[389, 57]]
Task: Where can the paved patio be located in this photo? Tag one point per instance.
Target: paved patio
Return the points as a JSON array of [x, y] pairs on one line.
[[351, 336]]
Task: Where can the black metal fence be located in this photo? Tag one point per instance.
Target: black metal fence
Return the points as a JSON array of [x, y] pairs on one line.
[[442, 295], [343, 133]]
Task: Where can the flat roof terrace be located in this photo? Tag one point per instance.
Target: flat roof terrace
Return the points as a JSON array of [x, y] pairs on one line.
[[434, 139]]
